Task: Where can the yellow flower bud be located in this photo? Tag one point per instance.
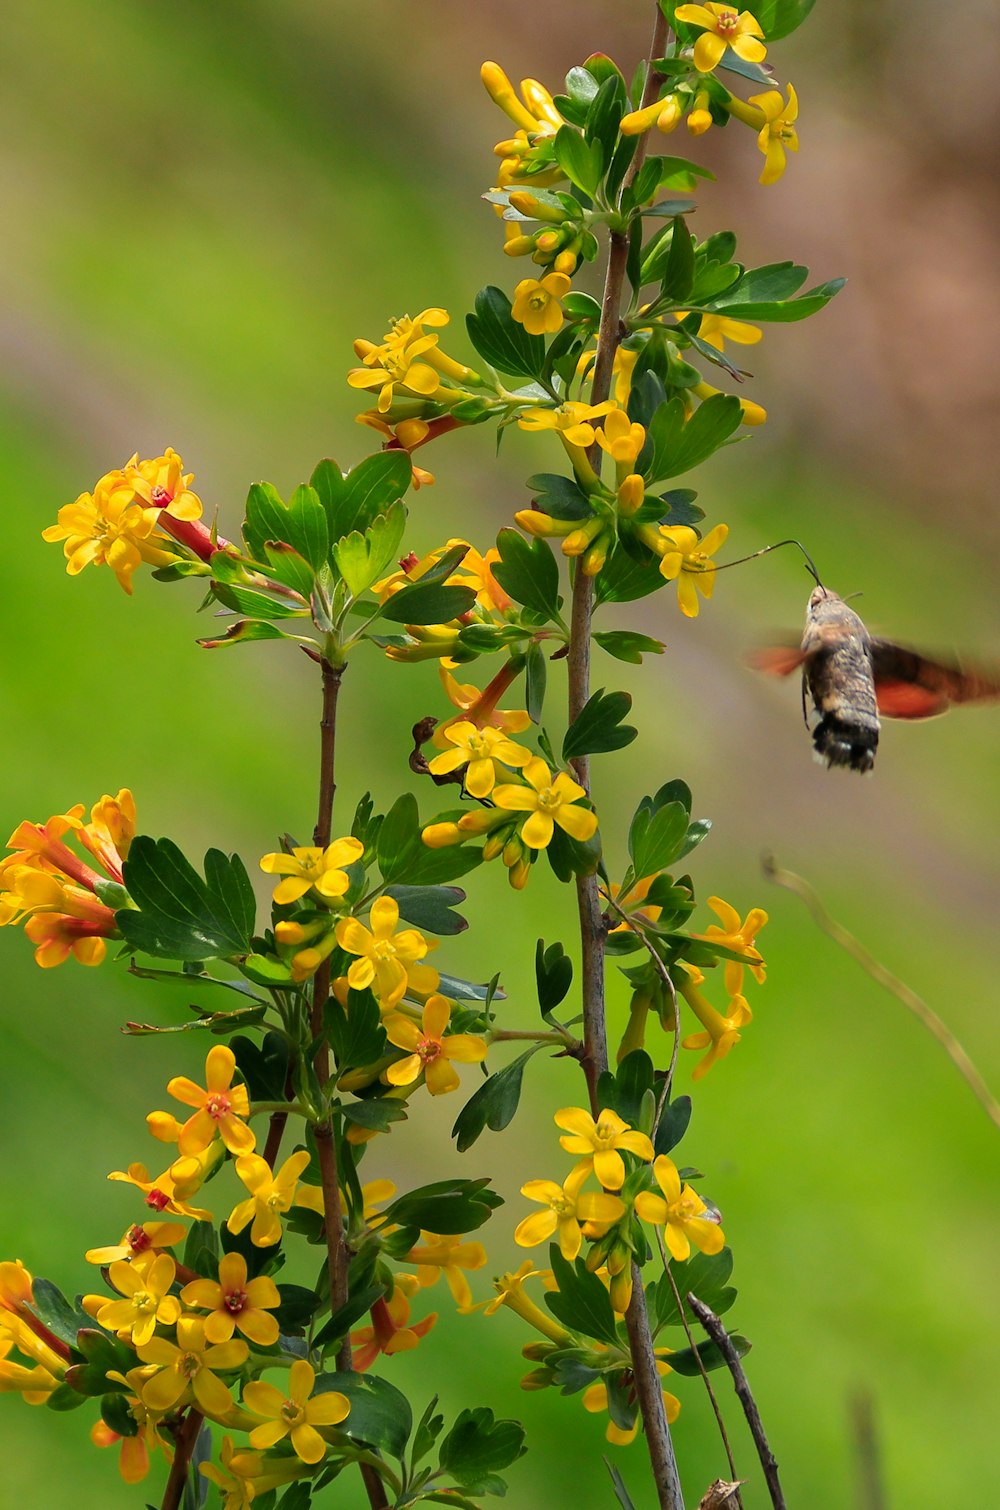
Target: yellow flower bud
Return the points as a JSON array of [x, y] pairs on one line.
[[670, 115], [535, 522], [519, 246], [593, 559], [639, 121], [700, 118], [631, 494], [518, 874], [441, 835], [565, 263]]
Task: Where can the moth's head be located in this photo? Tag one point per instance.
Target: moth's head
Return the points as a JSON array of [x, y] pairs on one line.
[[820, 595]]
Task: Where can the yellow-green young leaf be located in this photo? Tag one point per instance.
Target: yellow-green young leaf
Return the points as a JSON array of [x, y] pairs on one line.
[[245, 632], [581, 161], [362, 559], [369, 489]]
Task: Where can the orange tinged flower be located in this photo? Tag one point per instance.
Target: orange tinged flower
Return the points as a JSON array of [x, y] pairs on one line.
[[220, 1106]]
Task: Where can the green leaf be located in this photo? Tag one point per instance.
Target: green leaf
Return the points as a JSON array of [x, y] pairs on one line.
[[245, 632], [428, 603], [430, 907], [266, 518], [553, 975], [289, 567], [685, 1361], [697, 831], [705, 1275], [764, 285], [528, 571], [257, 604], [427, 1432], [655, 838], [779, 17], [677, 447], [179, 915], [362, 559], [348, 1315], [624, 1091], [598, 727], [369, 489], [581, 1302], [398, 837], [604, 116], [498, 337], [618, 1484], [201, 1250], [678, 274], [581, 85], [356, 1034], [264, 1066], [448, 1206], [674, 1122], [493, 1105], [787, 310], [581, 161], [54, 1310], [377, 1113], [328, 480], [623, 579], [478, 1445], [308, 527], [380, 1413], [535, 676], [559, 496], [627, 645]]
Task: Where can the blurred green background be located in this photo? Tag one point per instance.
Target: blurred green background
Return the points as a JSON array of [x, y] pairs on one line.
[[204, 204]]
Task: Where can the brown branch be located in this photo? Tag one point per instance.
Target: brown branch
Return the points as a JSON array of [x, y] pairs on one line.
[[733, 1494], [185, 1438], [871, 1493], [896, 987], [713, 1326]]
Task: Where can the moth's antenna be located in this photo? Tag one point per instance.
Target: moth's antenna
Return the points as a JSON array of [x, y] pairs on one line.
[[810, 568]]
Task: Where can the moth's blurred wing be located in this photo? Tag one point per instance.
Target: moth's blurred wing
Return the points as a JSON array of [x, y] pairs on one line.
[[911, 685], [777, 660]]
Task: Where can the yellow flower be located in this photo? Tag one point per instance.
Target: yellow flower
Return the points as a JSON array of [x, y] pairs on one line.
[[753, 414], [134, 1454], [571, 421], [680, 1210], [187, 1369], [170, 1191], [296, 1414], [390, 1331], [716, 330], [480, 707], [235, 1302], [622, 439], [313, 869], [109, 527], [219, 1106], [636, 895], [162, 484], [234, 1479], [739, 936], [723, 28], [601, 1141], [271, 1194], [145, 1286], [138, 1241], [549, 800], [537, 303], [721, 1033], [34, 1384], [663, 114], [778, 132], [538, 114], [565, 1208], [448, 1256], [430, 1052], [686, 558], [387, 961], [481, 750]]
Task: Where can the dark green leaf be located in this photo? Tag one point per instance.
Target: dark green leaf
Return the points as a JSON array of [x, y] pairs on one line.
[[380, 1413], [448, 1206], [553, 975], [627, 645], [369, 489], [559, 496], [528, 572], [697, 831], [571, 857], [356, 1034], [623, 580], [179, 915], [348, 1315], [377, 1113], [787, 310], [478, 1445], [598, 727], [54, 1310], [678, 274], [581, 85], [493, 1105], [201, 1250], [536, 672], [296, 1497], [604, 116], [498, 337], [581, 1302], [263, 1067], [705, 1275], [670, 791], [428, 604], [623, 1092], [655, 838], [685, 1363], [430, 907], [581, 161], [297, 1309], [674, 1122]]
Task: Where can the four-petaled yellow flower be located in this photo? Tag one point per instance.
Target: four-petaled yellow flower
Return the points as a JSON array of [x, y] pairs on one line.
[[536, 303], [601, 1141], [687, 559], [430, 1052], [723, 27], [778, 132], [387, 961], [565, 1208], [271, 1194], [138, 1241], [186, 1369], [235, 1302], [572, 421], [549, 800], [449, 1256], [296, 1414], [739, 936], [219, 1106], [480, 749], [680, 1210], [309, 869], [145, 1287]]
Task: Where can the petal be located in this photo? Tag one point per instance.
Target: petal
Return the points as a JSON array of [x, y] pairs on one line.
[[636, 1142], [266, 1436], [210, 1393], [651, 1208], [328, 1409], [441, 1077], [544, 1191], [568, 789], [599, 1207], [354, 937], [164, 1389], [465, 1048], [609, 1166], [263, 1399], [666, 1176], [750, 49], [707, 51], [204, 1293], [708, 1236], [570, 1238], [232, 1271], [575, 1120], [220, 1067], [183, 1089], [479, 778], [537, 830], [515, 799], [308, 1444], [405, 1072], [384, 917], [258, 1326], [301, 1378], [401, 1031], [676, 1240], [579, 822], [536, 1228], [436, 1015]]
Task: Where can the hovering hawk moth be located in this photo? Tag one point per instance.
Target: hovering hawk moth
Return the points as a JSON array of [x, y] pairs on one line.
[[850, 678]]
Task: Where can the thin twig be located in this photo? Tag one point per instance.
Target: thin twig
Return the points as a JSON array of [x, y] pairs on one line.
[[636, 925], [883, 977], [871, 1493], [768, 1462], [668, 1271]]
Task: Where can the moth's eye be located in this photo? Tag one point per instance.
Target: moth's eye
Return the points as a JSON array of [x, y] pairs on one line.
[[817, 595]]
